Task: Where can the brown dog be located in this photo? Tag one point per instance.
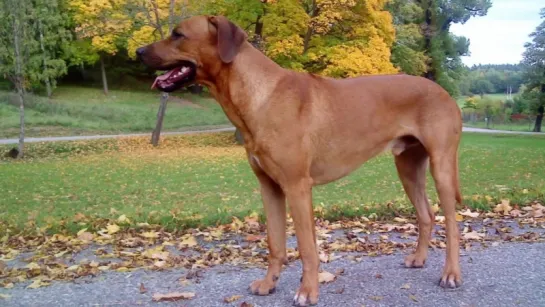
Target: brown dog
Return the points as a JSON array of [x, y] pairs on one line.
[[302, 130]]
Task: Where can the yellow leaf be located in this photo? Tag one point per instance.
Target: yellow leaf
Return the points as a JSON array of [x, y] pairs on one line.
[[150, 234], [459, 217], [232, 298], [112, 228], [4, 296], [503, 208], [190, 241], [37, 283], [123, 219]]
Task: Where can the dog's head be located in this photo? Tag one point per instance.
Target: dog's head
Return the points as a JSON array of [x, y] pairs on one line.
[[196, 48]]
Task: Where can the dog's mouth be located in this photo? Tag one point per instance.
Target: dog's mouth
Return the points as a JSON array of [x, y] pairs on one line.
[[180, 76]]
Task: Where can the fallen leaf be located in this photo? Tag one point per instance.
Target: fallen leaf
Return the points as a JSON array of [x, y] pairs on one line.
[[174, 296], [515, 213], [37, 283], [473, 235], [245, 304], [400, 220], [412, 297], [323, 257], [123, 219], [435, 208], [8, 285], [85, 236], [469, 213], [459, 217], [232, 298], [379, 276], [4, 296], [504, 207], [339, 271], [2, 266], [254, 238], [190, 241], [150, 234], [406, 286], [325, 277], [376, 298], [142, 289], [112, 228]]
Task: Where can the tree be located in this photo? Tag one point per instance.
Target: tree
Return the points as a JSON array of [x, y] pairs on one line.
[[408, 49], [51, 27], [442, 48], [534, 75], [25, 41], [105, 23], [481, 86]]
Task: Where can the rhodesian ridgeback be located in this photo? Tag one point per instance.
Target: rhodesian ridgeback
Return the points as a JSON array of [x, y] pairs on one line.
[[301, 130]]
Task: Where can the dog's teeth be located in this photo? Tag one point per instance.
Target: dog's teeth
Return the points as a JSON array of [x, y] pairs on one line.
[[184, 69]]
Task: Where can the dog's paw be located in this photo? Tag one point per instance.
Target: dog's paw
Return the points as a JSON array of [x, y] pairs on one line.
[[306, 296], [263, 287], [452, 278], [415, 261]]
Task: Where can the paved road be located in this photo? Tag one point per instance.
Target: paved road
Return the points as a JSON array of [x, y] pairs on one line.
[[94, 137], [510, 274], [106, 136]]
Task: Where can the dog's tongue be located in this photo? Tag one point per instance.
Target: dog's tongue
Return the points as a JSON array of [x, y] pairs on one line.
[[162, 77]]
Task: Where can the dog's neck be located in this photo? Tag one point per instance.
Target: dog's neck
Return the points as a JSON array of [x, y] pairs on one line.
[[244, 86]]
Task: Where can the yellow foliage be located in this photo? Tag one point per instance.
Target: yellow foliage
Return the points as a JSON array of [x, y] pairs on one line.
[[141, 37], [103, 21], [360, 59]]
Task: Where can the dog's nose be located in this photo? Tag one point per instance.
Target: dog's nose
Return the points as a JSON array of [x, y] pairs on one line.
[[140, 51]]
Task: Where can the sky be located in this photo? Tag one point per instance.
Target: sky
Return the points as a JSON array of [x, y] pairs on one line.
[[499, 37]]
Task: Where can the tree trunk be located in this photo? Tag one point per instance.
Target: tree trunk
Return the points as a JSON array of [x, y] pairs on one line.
[[160, 116], [539, 119], [156, 135], [19, 83], [171, 16], [47, 82], [313, 13], [103, 71]]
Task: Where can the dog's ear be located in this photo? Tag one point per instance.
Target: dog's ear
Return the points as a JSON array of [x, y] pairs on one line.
[[230, 37]]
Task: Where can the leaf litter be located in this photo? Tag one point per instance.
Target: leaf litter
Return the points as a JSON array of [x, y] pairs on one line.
[[44, 258]]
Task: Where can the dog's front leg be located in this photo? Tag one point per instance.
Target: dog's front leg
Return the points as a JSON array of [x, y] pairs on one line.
[[299, 197], [274, 202]]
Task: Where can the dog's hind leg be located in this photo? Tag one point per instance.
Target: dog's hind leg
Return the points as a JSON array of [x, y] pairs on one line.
[[444, 171], [274, 202], [411, 167]]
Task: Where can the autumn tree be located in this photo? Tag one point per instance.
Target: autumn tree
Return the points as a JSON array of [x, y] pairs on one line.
[[105, 24], [534, 66]]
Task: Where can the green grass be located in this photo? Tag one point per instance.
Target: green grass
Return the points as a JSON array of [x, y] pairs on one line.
[[179, 186], [77, 110]]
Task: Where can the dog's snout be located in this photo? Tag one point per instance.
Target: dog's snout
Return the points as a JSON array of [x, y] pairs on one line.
[[140, 51]]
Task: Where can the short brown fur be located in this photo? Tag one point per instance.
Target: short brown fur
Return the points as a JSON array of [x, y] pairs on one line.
[[302, 130]]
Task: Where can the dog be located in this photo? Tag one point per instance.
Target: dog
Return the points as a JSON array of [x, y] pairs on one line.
[[302, 130]]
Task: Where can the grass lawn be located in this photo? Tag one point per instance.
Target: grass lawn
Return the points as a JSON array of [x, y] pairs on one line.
[[205, 179], [79, 110]]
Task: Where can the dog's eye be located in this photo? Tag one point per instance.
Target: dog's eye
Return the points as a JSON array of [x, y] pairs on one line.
[[177, 35]]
